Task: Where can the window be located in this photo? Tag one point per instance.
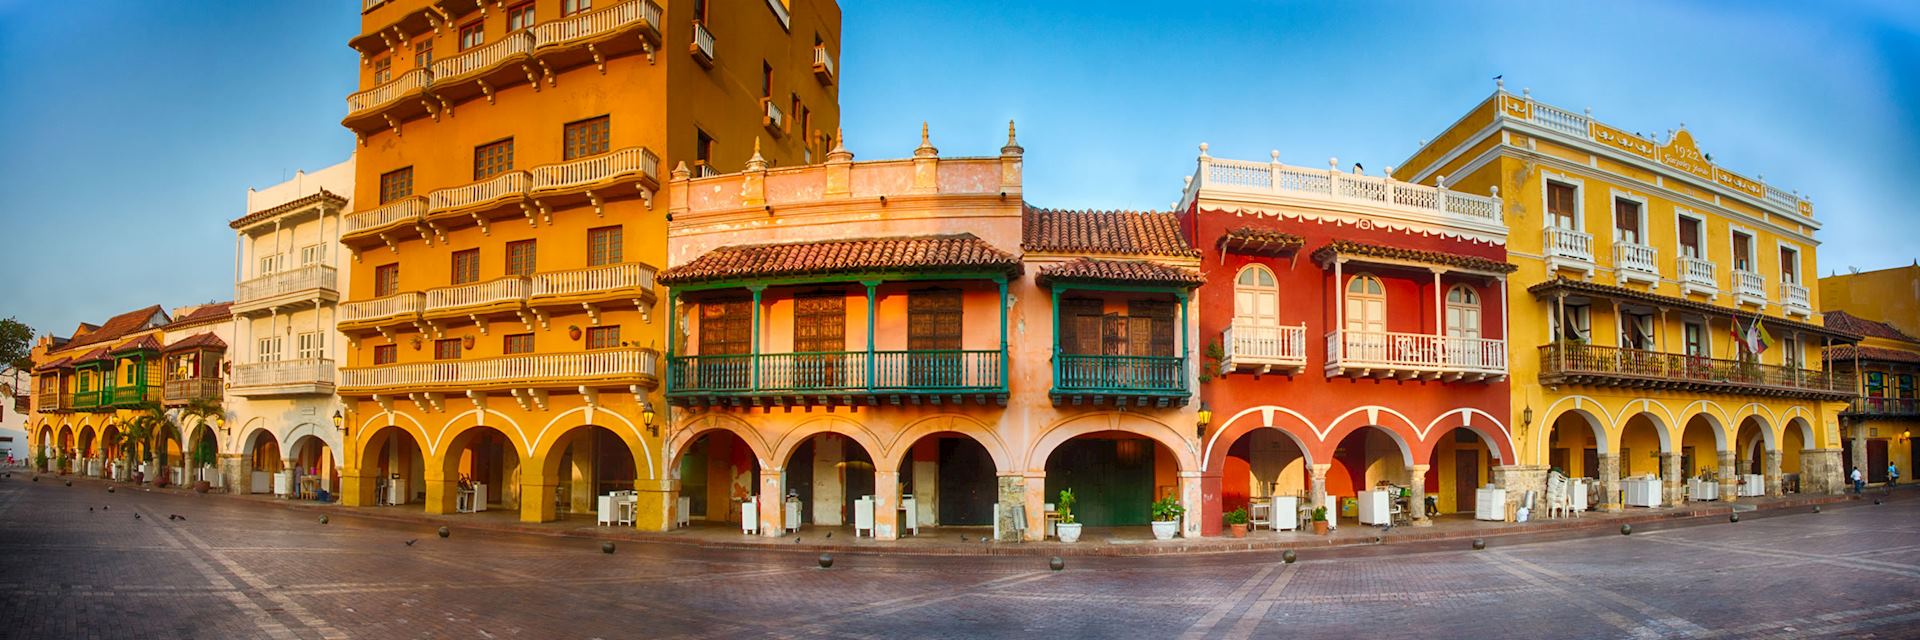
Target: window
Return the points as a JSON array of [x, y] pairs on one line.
[[519, 16], [1695, 335], [447, 349], [725, 327], [473, 35], [1366, 305], [396, 184], [308, 345], [584, 138], [1790, 352], [1562, 205], [1742, 252], [603, 246], [1256, 298], [1636, 330], [520, 258], [1572, 323], [385, 353], [1903, 384], [492, 158], [1154, 318], [819, 325], [793, 99], [382, 70], [517, 343], [1463, 312], [702, 150], [423, 53], [806, 129], [700, 10], [271, 263], [1080, 325], [1876, 384], [312, 254], [466, 266], [386, 280], [603, 337], [267, 349], [766, 81], [1626, 221], [1690, 238], [1789, 265], [570, 7], [934, 322]]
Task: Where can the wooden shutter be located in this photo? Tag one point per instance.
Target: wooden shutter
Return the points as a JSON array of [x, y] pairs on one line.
[[1626, 218], [1690, 237], [934, 319], [1081, 328], [820, 323], [1560, 202], [1159, 326], [725, 327]]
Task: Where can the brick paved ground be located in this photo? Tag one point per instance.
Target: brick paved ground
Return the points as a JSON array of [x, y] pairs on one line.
[[244, 569]]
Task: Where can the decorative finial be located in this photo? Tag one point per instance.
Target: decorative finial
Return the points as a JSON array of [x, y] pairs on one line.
[[926, 149], [1013, 147], [1526, 92], [680, 171], [1203, 149], [1589, 112], [1499, 83], [839, 153], [1333, 163], [756, 163], [1274, 155]]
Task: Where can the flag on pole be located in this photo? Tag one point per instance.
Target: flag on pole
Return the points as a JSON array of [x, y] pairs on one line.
[[1739, 341], [1761, 339]]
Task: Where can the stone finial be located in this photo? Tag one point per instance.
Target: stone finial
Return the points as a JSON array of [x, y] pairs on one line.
[[1440, 181], [1494, 191], [1274, 156], [926, 148], [756, 163], [1526, 92], [1499, 83], [680, 171], [1013, 147], [1333, 163], [840, 152], [1203, 149]]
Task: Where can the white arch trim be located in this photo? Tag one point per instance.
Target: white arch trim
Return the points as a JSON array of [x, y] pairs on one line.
[[1266, 421], [1467, 421], [438, 438], [1584, 405], [646, 450], [328, 437]]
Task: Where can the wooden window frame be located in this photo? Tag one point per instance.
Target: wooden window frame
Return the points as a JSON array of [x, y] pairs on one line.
[[604, 245], [586, 137], [523, 257], [396, 184], [446, 349], [570, 8], [386, 279], [386, 353], [492, 159], [602, 337], [515, 11], [478, 29], [516, 344], [465, 267]]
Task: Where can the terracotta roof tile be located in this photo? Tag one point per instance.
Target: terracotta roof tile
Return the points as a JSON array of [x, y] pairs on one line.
[[1259, 242], [1351, 248], [959, 252], [323, 196], [1846, 352], [63, 363], [1120, 271], [211, 312], [92, 356], [142, 343], [1133, 233], [198, 340], [1850, 323], [118, 326]]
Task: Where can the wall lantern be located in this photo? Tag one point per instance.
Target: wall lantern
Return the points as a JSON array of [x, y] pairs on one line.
[[1526, 416], [646, 417], [339, 421], [220, 422], [1201, 419]]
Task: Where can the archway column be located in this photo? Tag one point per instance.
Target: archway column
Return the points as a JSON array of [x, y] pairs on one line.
[[886, 504], [1212, 503], [1022, 497], [357, 487], [1673, 487], [536, 492], [443, 493], [657, 496], [1610, 482], [1317, 489], [773, 503], [1772, 469], [1417, 502], [1517, 480], [1190, 500], [1729, 485]]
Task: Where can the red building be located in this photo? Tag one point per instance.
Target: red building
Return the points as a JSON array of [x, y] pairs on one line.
[[1355, 338]]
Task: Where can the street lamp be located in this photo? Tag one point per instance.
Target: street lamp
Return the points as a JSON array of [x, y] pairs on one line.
[[1201, 419], [339, 421], [220, 422], [646, 418]]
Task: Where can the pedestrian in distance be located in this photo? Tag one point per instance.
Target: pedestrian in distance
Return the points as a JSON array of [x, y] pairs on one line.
[[1893, 477], [1859, 485]]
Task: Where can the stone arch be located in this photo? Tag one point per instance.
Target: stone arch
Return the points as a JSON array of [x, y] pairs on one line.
[[543, 448], [1395, 424], [1806, 430], [466, 421], [1064, 430], [1499, 442], [1286, 421], [701, 425], [825, 424], [902, 444], [327, 435], [374, 424]]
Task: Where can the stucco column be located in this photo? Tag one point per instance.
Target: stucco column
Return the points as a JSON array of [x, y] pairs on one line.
[[1673, 488], [1023, 507], [773, 504], [1417, 503], [1729, 485], [1317, 492], [1858, 444], [1190, 500], [657, 503], [886, 505], [1610, 482], [1211, 504], [536, 492], [357, 486], [443, 493], [233, 473], [1772, 471]]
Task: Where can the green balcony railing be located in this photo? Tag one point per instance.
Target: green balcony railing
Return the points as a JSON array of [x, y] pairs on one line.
[[135, 394], [91, 399], [838, 372], [1122, 375]]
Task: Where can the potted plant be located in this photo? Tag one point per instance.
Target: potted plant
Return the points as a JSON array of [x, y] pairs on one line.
[[1236, 522], [1320, 521], [1166, 518], [1068, 528], [40, 461], [203, 459]]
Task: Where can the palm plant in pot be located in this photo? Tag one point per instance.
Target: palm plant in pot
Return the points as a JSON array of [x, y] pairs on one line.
[[1068, 528], [1166, 517], [1236, 522], [1320, 520]]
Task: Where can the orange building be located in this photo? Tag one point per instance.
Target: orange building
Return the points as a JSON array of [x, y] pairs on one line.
[[501, 314]]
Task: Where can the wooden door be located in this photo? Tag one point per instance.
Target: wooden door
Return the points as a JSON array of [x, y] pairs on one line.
[[1466, 479], [1876, 461], [968, 487]]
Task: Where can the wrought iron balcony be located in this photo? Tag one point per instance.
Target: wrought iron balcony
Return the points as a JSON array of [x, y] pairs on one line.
[[838, 377], [1870, 407], [1582, 364], [1387, 354], [1100, 379], [1263, 347]]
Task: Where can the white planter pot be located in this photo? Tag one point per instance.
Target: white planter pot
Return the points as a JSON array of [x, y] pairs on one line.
[[1068, 532], [1164, 530]]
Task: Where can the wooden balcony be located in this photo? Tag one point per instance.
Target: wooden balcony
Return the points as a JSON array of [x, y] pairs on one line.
[[1891, 408], [1263, 348], [190, 389], [53, 401], [702, 46], [1581, 364], [622, 368], [838, 378], [95, 400], [306, 376], [823, 65], [1386, 354], [1120, 380]]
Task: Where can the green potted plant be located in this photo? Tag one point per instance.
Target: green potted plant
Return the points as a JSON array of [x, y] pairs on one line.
[[1236, 522], [203, 460], [1166, 517], [40, 460], [1068, 528], [1320, 521]]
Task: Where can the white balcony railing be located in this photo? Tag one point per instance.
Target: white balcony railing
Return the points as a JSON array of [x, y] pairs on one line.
[[626, 275], [526, 370], [1274, 178], [409, 209], [702, 41], [315, 371], [406, 84], [704, 170], [1698, 273], [511, 183], [593, 24], [1570, 244], [313, 276], [1561, 120], [774, 118], [822, 63], [1263, 345], [1637, 257], [1748, 284], [399, 304], [1389, 352], [508, 289], [595, 169], [1794, 296], [514, 45]]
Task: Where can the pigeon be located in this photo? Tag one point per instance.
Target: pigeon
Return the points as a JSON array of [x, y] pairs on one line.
[[410, 542], [796, 539], [107, 508], [180, 517], [136, 516], [963, 537], [89, 509], [829, 534]]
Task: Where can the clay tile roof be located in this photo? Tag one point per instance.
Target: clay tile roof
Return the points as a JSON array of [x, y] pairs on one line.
[[198, 340], [1850, 323], [1134, 233], [1120, 271], [958, 252], [263, 214], [1259, 242], [142, 343], [118, 326], [63, 363], [1362, 249], [92, 356], [1847, 352], [213, 312]]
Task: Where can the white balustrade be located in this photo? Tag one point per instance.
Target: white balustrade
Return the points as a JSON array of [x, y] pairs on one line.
[[1697, 272], [409, 209], [823, 61], [1794, 295], [1749, 284], [1783, 198], [507, 184], [508, 289], [1263, 344], [1638, 257], [595, 169], [399, 304], [514, 45], [519, 369], [1568, 243], [313, 276], [283, 372], [775, 119], [404, 85], [626, 275], [1561, 120], [705, 171], [1281, 179], [1386, 350], [596, 23], [703, 40]]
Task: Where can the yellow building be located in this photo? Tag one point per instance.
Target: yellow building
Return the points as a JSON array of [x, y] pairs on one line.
[[1878, 427], [1883, 295], [501, 313], [1639, 259]]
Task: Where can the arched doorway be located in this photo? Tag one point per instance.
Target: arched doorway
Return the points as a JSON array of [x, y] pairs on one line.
[[89, 458], [1262, 464], [1461, 461], [45, 452], [112, 449], [951, 480], [719, 472], [1753, 438], [398, 468], [1368, 458], [204, 457], [1796, 439], [1115, 477], [1700, 447], [64, 450], [589, 461], [1643, 445], [828, 472], [316, 475], [264, 464], [483, 466]]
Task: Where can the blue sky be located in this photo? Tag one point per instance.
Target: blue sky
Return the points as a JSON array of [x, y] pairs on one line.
[[140, 125]]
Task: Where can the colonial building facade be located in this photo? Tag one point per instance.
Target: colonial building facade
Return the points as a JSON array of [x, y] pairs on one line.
[[1883, 306]]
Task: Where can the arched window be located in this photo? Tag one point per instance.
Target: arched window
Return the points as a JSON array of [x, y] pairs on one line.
[[1366, 304], [1256, 297], [1463, 312]]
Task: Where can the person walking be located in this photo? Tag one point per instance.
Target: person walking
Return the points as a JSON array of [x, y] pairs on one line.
[[1859, 485], [1893, 477]]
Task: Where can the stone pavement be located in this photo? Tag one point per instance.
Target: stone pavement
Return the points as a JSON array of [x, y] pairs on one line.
[[244, 569]]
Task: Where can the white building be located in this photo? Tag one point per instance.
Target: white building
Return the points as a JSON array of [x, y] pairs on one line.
[[15, 387], [289, 271]]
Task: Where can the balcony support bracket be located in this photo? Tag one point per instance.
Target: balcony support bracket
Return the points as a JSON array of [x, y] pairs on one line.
[[531, 78], [647, 47], [479, 399], [528, 210], [392, 247], [599, 206], [593, 313], [598, 59], [479, 321], [547, 72], [385, 402], [391, 123], [485, 89], [481, 221], [522, 397], [590, 395]]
